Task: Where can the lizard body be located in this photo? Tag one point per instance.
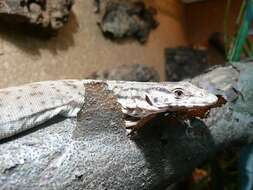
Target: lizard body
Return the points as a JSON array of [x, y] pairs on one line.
[[29, 105], [32, 104]]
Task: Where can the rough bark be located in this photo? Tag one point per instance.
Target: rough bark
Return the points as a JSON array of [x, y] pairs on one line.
[[48, 14], [93, 152]]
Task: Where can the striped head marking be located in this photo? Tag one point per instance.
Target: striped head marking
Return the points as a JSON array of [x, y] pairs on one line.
[[153, 98], [179, 95]]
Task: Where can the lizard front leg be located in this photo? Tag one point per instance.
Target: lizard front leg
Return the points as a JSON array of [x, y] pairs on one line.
[[133, 124]]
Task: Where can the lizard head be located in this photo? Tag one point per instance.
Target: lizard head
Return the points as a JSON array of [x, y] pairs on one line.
[[180, 95], [143, 99], [146, 99]]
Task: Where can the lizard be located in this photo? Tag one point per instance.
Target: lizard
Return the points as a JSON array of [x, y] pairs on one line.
[[24, 107]]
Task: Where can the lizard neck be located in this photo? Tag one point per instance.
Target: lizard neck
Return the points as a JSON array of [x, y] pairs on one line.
[[133, 98]]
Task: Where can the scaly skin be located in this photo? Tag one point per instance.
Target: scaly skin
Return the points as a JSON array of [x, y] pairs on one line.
[[26, 106]]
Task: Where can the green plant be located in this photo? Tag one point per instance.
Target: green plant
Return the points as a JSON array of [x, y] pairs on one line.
[[241, 43]]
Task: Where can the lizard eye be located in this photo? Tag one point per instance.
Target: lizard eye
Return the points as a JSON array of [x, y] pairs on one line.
[[178, 93]]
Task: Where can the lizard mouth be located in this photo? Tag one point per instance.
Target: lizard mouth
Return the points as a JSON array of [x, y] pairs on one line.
[[201, 112]]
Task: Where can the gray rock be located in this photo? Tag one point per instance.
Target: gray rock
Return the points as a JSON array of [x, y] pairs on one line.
[[123, 19], [134, 72], [48, 14], [185, 62]]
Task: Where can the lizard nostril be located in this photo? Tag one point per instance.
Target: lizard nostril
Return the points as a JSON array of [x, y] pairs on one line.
[[148, 100]]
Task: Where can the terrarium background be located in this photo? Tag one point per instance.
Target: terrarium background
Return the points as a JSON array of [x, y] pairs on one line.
[[79, 49]]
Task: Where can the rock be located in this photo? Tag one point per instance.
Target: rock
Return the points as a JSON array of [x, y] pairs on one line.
[[122, 19], [135, 72], [51, 14], [185, 62]]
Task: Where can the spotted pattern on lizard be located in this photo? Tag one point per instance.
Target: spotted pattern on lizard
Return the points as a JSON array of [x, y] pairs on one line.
[[26, 106], [29, 105]]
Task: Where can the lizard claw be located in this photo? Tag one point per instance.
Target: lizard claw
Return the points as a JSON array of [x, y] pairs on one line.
[[131, 128], [131, 133], [130, 124]]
